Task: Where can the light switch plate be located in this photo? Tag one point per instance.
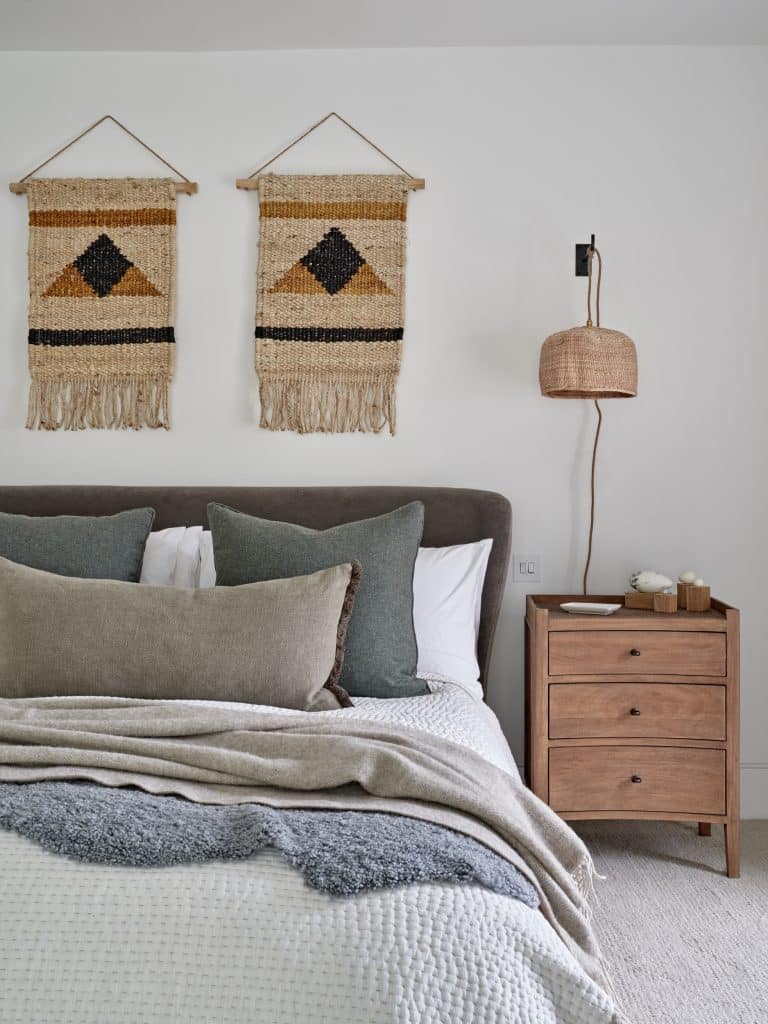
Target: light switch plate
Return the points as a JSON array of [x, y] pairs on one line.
[[526, 568]]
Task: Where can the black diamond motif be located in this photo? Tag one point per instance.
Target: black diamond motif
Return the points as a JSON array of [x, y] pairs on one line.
[[333, 261], [102, 265]]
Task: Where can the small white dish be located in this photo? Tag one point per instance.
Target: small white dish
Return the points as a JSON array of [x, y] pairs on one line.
[[589, 608]]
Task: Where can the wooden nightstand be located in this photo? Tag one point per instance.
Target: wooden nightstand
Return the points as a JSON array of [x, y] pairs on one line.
[[635, 715]]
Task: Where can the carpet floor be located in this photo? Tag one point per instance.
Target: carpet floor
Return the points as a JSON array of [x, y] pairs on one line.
[[683, 943]]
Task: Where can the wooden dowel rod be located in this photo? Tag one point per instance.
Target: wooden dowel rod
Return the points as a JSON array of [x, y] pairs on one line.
[[190, 187], [251, 184]]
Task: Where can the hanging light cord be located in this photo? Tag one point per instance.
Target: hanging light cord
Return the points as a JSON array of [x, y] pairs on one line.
[[592, 252], [592, 502]]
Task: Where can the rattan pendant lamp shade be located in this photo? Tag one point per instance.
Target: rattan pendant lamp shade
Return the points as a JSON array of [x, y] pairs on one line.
[[589, 362]]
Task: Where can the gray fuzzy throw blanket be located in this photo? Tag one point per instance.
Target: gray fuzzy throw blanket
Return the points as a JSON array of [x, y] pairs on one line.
[[338, 852]]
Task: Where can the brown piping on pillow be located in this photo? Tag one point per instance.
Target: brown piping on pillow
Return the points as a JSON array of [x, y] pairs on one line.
[[332, 682]]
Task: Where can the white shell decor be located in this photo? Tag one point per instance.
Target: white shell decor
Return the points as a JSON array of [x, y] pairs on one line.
[[690, 578], [649, 582]]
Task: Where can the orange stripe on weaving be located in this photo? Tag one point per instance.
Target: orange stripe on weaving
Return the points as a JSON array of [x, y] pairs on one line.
[[359, 210], [148, 216]]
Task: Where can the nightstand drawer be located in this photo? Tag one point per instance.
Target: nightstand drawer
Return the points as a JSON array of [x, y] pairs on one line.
[[687, 780], [641, 710], [636, 652]]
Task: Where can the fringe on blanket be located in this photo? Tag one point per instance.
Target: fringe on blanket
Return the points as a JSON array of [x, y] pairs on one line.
[[75, 403], [584, 876]]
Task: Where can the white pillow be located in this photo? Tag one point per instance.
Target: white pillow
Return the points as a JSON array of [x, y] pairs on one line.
[[187, 571], [207, 567], [160, 553], [447, 594]]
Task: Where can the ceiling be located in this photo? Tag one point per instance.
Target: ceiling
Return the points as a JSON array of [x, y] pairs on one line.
[[188, 25]]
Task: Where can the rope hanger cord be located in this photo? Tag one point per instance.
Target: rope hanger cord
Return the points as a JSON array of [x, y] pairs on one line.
[[107, 117], [317, 125], [591, 253]]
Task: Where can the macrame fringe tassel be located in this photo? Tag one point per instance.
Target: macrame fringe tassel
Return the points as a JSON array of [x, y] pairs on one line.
[[311, 406], [117, 403]]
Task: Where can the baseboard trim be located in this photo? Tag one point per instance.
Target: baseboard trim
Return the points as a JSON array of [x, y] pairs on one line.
[[754, 789]]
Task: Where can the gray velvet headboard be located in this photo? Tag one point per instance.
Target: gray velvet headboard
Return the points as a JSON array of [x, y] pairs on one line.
[[452, 516]]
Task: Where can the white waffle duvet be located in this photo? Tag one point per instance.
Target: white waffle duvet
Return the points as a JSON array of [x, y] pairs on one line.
[[250, 943]]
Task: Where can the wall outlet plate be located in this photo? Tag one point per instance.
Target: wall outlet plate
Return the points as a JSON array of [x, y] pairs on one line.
[[526, 568]]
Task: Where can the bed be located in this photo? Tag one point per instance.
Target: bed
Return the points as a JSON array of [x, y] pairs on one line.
[[237, 941]]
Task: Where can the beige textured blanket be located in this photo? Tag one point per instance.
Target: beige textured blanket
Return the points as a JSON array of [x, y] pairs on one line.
[[216, 755]]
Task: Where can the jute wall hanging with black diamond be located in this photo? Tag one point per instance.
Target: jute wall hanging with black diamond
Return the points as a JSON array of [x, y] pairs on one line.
[[102, 284], [330, 299]]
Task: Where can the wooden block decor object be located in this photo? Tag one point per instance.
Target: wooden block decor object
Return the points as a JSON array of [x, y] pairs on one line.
[[698, 599], [691, 598], [665, 603]]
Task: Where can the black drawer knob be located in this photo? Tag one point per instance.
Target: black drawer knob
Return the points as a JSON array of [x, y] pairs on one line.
[[635, 653], [634, 711], [636, 778]]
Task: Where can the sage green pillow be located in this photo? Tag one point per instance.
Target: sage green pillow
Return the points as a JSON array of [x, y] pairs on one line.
[[92, 547], [381, 652]]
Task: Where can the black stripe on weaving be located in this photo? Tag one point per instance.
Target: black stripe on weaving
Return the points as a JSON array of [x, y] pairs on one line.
[[330, 333], [124, 336]]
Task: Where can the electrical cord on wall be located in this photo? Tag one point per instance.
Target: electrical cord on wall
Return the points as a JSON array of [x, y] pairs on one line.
[[592, 501], [591, 253]]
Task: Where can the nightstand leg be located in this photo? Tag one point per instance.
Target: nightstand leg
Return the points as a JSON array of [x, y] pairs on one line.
[[732, 865], [705, 828]]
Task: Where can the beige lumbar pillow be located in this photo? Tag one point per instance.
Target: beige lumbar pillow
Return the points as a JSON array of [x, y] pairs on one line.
[[278, 642]]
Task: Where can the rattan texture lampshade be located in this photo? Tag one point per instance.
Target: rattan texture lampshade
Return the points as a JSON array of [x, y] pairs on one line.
[[588, 362]]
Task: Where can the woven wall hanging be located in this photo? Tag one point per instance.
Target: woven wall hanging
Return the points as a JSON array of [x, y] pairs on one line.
[[102, 284], [330, 299]]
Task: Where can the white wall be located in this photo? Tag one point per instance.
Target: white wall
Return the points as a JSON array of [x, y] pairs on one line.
[[662, 152]]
